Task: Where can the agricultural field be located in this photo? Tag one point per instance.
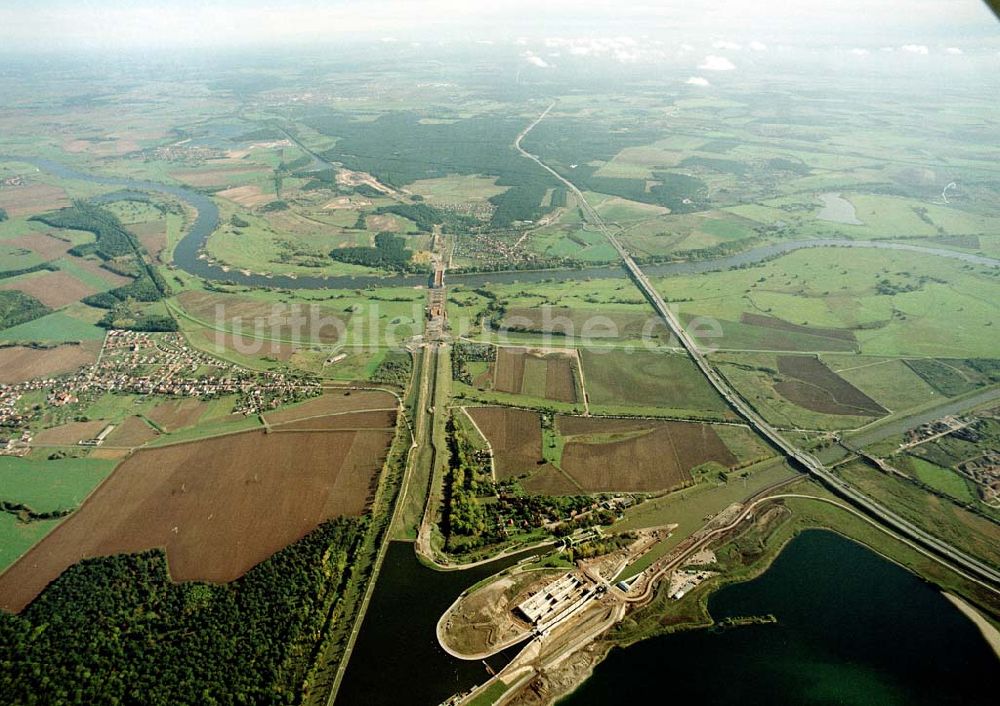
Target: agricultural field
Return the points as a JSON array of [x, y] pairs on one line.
[[972, 533], [572, 454], [542, 375], [617, 455], [653, 382], [37, 493], [218, 506], [797, 391], [20, 363], [515, 436]]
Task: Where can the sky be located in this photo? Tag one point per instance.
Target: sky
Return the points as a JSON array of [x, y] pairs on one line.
[[966, 25]]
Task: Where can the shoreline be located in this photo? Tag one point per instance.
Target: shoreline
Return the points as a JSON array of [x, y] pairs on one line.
[[989, 632]]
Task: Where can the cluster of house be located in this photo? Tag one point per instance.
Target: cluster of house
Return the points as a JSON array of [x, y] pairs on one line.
[[180, 153], [16, 180], [162, 364], [17, 445], [985, 472], [492, 249], [938, 427]]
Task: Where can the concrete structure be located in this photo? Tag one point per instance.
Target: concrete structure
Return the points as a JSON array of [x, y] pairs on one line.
[[552, 600]]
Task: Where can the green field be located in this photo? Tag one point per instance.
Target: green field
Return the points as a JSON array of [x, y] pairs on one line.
[[44, 486], [943, 480], [57, 327], [623, 381], [971, 533], [896, 303], [888, 381]]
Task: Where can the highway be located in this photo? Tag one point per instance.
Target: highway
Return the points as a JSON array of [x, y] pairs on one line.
[[799, 458]]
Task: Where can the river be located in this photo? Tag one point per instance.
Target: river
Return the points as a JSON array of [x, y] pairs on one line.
[[186, 253], [853, 628]]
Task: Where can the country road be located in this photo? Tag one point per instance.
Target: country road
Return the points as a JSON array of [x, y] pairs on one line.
[[801, 459]]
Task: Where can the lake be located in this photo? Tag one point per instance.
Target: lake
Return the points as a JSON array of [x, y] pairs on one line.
[[853, 628]]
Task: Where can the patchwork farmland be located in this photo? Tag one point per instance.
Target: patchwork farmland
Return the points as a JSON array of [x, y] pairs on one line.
[[548, 376], [815, 387], [217, 506]]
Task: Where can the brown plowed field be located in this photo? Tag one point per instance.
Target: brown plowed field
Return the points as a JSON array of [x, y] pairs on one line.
[[53, 289], [218, 506], [31, 199], [509, 370], [549, 480], [560, 383], [71, 433], [20, 363], [216, 177], [152, 235], [176, 414], [47, 246], [247, 196], [515, 436], [133, 431], [817, 388], [376, 419], [334, 402], [658, 459]]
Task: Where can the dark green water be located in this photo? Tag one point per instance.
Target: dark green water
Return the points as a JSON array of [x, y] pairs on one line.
[[397, 659], [852, 628]]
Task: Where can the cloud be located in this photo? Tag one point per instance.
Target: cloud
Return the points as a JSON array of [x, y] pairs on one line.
[[859, 52], [954, 50], [757, 46], [915, 49], [722, 44], [697, 81], [535, 60], [686, 47], [716, 63]]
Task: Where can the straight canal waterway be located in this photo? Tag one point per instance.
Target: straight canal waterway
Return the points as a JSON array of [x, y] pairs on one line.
[[853, 628]]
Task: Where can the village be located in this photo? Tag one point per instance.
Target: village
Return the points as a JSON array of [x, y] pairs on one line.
[[139, 363]]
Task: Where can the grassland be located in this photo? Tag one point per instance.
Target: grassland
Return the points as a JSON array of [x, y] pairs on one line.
[[649, 382], [895, 303], [971, 533]]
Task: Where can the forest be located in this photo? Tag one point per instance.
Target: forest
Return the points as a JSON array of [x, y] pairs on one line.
[[112, 240], [399, 149], [116, 630], [390, 252], [17, 307]]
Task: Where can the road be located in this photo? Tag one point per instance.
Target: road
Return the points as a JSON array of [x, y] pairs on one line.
[[801, 459]]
